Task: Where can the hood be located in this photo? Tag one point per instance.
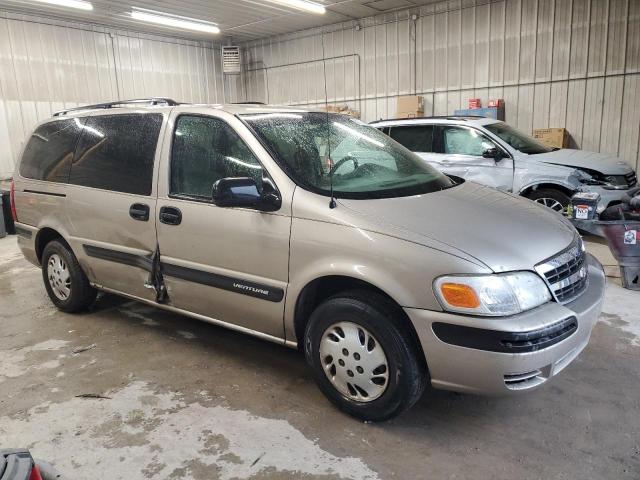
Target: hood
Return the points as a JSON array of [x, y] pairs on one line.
[[503, 231], [600, 162]]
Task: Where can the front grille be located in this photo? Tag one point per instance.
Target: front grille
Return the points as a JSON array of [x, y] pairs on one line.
[[631, 179], [566, 273]]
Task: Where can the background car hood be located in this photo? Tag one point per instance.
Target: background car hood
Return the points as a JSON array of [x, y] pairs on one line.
[[601, 162], [503, 231]]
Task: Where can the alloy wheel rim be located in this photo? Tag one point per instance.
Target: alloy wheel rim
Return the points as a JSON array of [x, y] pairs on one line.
[[59, 277], [354, 361], [551, 203]]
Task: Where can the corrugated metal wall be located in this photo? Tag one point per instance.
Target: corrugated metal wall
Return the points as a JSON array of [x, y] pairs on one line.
[[47, 66], [557, 63]]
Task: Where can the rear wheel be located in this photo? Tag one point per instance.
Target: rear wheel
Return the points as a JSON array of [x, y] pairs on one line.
[[64, 280], [554, 199], [362, 357]]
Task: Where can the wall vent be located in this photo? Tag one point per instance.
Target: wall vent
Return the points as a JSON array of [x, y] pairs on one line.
[[231, 60]]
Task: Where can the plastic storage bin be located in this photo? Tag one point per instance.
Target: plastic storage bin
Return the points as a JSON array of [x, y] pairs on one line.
[[623, 238]]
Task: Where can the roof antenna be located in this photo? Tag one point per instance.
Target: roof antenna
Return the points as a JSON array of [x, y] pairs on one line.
[[332, 202]]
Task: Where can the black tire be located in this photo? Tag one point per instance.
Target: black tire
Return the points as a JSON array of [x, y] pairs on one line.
[[407, 372], [82, 294], [559, 196]]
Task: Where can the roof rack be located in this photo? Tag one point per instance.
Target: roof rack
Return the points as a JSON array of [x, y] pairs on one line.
[[248, 103], [440, 117], [138, 101]]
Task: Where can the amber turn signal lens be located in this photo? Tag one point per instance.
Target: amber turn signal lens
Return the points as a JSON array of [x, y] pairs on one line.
[[459, 295]]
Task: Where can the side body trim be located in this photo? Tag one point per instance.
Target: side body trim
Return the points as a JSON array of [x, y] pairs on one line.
[[223, 282], [124, 258], [40, 192]]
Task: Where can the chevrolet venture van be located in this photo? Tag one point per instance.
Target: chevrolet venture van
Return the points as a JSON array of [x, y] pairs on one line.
[[312, 230]]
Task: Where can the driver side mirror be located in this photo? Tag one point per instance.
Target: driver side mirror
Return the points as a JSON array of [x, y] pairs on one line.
[[243, 192], [494, 153]]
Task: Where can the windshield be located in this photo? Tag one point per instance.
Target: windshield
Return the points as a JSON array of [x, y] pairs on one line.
[[518, 140], [365, 162]]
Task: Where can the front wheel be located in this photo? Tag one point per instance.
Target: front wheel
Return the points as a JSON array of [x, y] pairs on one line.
[[362, 356], [66, 283], [551, 198]]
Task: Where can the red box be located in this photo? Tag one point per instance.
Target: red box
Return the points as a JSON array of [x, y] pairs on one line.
[[474, 103], [496, 103]]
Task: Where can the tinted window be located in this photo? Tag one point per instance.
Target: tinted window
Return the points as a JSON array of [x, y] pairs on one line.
[[116, 153], [465, 141], [49, 151], [416, 139], [206, 149]]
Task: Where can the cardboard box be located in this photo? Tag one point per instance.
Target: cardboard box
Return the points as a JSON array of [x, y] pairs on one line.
[[410, 106], [343, 109], [552, 137]]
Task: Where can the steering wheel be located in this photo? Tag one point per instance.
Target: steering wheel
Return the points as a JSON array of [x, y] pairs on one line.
[[342, 161]]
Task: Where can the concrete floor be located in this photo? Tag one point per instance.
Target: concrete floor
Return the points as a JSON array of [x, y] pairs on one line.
[[190, 400]]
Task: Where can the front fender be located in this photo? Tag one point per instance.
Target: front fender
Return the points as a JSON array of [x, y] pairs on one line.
[[529, 174], [402, 269]]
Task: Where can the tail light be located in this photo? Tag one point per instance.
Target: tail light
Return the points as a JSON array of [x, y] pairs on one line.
[[12, 201], [35, 473]]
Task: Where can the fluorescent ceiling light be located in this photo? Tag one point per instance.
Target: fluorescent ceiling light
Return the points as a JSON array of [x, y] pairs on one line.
[[302, 5], [175, 21], [80, 4]]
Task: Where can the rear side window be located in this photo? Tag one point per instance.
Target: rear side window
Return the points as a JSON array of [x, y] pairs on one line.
[[206, 149], [116, 152], [417, 138], [49, 151]]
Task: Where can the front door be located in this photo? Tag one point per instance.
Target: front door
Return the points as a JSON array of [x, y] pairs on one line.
[[227, 264], [459, 152]]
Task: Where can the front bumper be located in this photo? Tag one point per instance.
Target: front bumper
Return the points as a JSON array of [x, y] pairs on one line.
[[607, 197], [487, 370]]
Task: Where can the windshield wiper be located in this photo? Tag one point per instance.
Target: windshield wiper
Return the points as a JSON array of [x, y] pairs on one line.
[[395, 182]]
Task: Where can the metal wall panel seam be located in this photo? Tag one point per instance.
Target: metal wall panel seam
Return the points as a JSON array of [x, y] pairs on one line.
[[553, 38], [624, 69], [566, 108], [606, 43]]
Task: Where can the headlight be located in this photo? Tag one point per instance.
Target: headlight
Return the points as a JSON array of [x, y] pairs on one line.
[[491, 295]]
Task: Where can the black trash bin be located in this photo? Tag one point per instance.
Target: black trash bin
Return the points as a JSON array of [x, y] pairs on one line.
[[6, 218]]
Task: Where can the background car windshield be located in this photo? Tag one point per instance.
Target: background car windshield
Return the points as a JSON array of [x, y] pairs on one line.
[[365, 162], [518, 140]]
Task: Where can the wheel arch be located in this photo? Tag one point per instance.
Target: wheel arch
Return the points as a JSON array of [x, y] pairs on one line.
[[43, 237], [526, 191], [321, 288]]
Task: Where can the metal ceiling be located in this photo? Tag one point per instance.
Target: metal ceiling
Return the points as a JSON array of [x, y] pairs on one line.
[[239, 19]]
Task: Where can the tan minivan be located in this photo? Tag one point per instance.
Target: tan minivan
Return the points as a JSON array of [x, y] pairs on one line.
[[312, 230]]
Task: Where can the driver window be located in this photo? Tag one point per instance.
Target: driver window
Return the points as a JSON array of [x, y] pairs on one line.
[[465, 141], [206, 149]]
